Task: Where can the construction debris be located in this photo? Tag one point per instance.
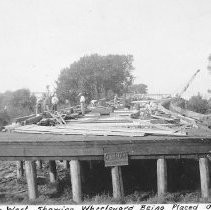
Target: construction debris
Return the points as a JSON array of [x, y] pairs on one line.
[[146, 118]]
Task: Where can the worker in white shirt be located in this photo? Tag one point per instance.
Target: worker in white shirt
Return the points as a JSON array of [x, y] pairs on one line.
[[55, 102], [82, 102]]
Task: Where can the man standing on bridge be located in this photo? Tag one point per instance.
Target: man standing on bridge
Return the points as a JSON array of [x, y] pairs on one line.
[[54, 102], [82, 102]]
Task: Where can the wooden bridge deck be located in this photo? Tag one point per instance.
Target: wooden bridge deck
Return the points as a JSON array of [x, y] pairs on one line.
[[24, 146], [31, 146]]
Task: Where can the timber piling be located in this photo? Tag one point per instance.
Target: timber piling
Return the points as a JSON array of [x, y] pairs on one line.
[[204, 177], [78, 148], [161, 176], [31, 177], [75, 172], [20, 170], [117, 183], [52, 171]]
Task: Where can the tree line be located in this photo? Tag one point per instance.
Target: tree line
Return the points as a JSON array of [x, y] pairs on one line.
[[16, 103], [196, 103], [96, 76]]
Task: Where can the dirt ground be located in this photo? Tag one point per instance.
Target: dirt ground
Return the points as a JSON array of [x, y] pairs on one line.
[[96, 191]]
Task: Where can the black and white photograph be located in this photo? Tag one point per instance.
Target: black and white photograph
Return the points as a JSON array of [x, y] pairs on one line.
[[105, 102]]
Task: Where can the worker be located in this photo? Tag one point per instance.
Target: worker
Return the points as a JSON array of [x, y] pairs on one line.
[[47, 99], [115, 101], [82, 103], [46, 102], [54, 102], [39, 106]]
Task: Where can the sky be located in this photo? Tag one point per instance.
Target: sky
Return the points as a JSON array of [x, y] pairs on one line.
[[169, 39]]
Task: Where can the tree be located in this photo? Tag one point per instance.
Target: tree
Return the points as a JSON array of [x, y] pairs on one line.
[[138, 88], [96, 76], [18, 103], [198, 104], [23, 99]]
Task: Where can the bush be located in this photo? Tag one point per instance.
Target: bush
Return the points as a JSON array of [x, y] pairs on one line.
[[198, 104], [15, 104]]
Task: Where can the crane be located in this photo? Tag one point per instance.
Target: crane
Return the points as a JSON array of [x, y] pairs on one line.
[[188, 84]]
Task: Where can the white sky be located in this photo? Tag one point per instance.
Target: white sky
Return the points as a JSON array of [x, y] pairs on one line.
[[170, 40]]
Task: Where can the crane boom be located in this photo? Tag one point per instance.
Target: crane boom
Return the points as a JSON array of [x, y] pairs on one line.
[[189, 82]]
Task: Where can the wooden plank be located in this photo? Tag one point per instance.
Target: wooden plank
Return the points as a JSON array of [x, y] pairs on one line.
[[91, 130], [20, 119], [46, 158], [117, 183], [82, 132], [70, 149], [163, 118], [20, 171], [31, 177], [56, 118], [161, 176], [76, 180], [92, 157], [33, 120], [187, 119], [52, 171], [34, 138], [60, 117], [204, 177]]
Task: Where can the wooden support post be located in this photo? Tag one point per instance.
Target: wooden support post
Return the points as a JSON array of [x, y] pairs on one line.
[[204, 176], [76, 180], [66, 164], [161, 176], [52, 171], [31, 177], [39, 164], [90, 165], [117, 183], [20, 171]]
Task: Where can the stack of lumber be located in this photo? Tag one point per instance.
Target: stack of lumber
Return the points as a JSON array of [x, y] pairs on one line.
[[102, 110], [110, 129], [201, 119], [118, 123], [101, 121]]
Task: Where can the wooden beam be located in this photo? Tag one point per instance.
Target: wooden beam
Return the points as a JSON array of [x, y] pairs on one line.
[[31, 177], [76, 180], [204, 177], [33, 120], [117, 183], [52, 171], [20, 171], [21, 119], [161, 176]]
